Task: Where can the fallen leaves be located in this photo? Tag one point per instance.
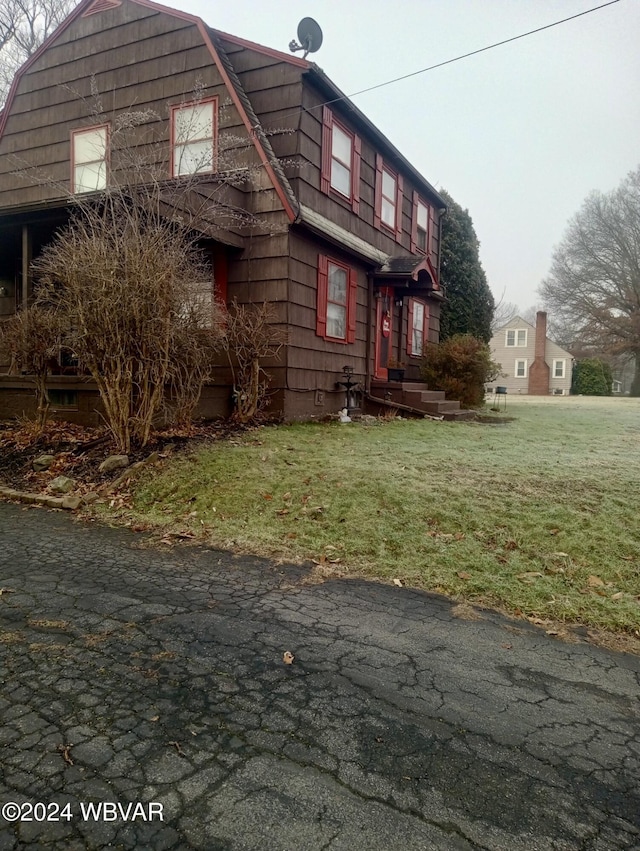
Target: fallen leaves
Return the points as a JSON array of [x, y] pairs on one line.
[[65, 750], [179, 750], [288, 657], [530, 576]]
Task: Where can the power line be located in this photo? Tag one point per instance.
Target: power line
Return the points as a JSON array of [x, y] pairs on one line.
[[474, 52]]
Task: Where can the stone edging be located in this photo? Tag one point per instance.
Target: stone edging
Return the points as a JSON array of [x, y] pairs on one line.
[[69, 501]]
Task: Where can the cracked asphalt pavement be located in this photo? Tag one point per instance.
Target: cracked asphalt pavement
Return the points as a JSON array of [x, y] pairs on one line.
[[131, 674]]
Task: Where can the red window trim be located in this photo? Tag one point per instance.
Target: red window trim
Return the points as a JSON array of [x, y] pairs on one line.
[[396, 230], [425, 326], [214, 140], [72, 158], [415, 248], [322, 300], [328, 121]]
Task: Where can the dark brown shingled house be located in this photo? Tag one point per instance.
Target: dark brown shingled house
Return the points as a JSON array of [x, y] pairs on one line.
[[350, 256]]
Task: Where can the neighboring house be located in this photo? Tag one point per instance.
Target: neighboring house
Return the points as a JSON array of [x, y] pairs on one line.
[[531, 362], [351, 251]]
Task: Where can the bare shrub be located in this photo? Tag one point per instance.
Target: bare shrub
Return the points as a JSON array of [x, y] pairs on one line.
[[250, 337], [123, 277], [32, 339]]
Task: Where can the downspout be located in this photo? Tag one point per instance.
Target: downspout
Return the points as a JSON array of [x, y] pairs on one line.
[[443, 213], [368, 358]]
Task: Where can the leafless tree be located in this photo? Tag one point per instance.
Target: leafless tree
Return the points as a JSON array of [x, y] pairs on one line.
[[24, 25], [594, 283], [504, 312]]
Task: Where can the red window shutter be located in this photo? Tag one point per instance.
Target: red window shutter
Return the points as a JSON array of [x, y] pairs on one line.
[[432, 230], [325, 175], [352, 310], [399, 198], [378, 205], [355, 175], [321, 308], [414, 223]]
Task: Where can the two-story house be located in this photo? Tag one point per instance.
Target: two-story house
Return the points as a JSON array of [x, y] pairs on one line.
[[531, 363], [349, 249]]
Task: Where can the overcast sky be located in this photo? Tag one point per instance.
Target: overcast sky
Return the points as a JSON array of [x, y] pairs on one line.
[[518, 135]]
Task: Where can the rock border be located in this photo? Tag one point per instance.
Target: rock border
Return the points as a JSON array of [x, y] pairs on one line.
[[70, 501]]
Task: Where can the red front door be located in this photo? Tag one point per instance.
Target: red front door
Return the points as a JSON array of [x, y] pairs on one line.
[[384, 331]]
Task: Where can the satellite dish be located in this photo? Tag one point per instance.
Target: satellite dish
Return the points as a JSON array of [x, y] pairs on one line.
[[309, 37]]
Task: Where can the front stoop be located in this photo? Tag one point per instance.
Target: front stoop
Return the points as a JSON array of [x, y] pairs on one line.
[[421, 400]]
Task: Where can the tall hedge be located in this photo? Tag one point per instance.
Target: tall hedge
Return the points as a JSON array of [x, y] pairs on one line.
[[592, 377]]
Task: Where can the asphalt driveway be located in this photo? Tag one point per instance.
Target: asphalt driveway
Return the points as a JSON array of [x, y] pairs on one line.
[[145, 704]]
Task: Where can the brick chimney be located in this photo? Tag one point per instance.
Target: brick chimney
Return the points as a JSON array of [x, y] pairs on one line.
[[539, 370]]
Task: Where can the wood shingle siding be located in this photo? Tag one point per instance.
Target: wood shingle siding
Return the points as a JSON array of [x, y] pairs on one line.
[[274, 119]]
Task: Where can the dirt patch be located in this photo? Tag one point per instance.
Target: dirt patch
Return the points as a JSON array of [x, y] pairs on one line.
[[78, 452]]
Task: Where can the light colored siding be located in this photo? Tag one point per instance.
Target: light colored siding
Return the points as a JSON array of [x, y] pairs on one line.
[[508, 355]]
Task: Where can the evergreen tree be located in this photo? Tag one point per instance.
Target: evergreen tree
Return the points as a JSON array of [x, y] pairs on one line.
[[470, 305]]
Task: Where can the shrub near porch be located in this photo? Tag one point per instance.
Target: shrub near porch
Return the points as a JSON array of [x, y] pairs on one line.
[[537, 516]]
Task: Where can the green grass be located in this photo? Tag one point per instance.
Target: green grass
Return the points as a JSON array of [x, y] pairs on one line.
[[538, 516]]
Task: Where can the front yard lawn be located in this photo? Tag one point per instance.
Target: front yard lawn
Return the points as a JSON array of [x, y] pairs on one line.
[[538, 516]]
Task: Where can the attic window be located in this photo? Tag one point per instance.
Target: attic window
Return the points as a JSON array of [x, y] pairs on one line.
[[101, 6], [193, 136], [89, 159]]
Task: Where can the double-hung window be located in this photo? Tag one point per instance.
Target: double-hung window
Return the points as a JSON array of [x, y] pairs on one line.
[[516, 337], [558, 369], [340, 160], [521, 369], [194, 133], [420, 225], [89, 154], [336, 304], [418, 327], [388, 201]]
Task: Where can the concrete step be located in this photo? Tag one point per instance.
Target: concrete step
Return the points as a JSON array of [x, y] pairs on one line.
[[440, 407], [459, 416], [379, 383], [425, 395]]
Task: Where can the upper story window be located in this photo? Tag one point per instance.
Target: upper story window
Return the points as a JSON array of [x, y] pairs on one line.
[[340, 160], [516, 337], [420, 225], [194, 132], [418, 327], [388, 209], [89, 153], [336, 308]]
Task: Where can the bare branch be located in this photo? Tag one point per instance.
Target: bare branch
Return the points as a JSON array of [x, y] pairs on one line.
[[594, 282]]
